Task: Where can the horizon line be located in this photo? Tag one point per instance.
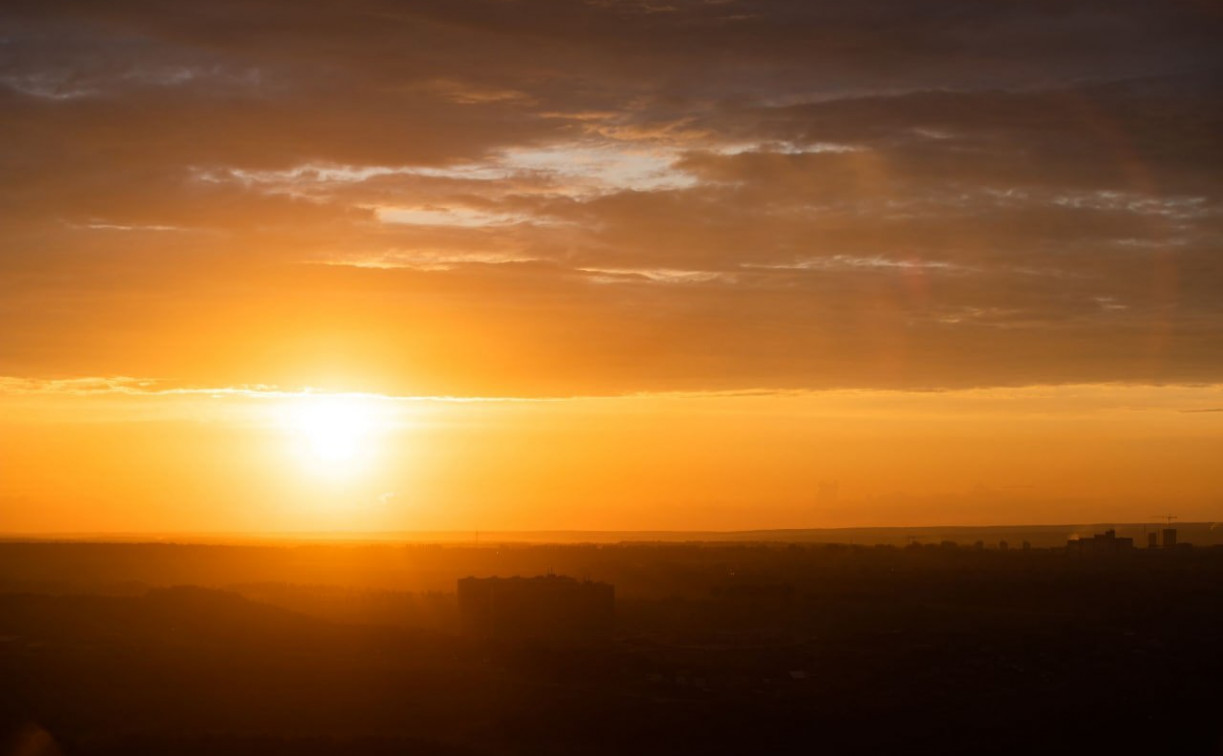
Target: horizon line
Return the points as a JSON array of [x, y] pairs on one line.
[[452, 536]]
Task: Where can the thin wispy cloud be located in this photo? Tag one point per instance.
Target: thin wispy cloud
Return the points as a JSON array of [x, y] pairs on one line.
[[716, 196]]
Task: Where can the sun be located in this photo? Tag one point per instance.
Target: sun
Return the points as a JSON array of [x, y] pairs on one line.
[[334, 434]]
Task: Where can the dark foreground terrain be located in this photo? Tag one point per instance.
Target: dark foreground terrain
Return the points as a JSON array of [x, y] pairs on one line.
[[717, 648]]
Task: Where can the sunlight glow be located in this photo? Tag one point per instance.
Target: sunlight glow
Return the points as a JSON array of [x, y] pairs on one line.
[[337, 434]]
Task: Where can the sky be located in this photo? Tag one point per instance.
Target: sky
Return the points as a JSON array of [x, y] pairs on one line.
[[545, 264]]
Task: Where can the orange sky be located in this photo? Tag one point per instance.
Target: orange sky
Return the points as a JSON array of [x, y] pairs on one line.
[[607, 265], [116, 457]]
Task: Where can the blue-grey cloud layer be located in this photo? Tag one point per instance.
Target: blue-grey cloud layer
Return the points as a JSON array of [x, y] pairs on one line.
[[561, 198]]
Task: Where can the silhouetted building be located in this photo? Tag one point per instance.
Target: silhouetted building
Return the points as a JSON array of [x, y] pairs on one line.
[[1169, 538], [1152, 540], [1101, 543], [552, 607]]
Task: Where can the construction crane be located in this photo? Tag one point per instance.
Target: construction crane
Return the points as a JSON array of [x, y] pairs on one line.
[[1169, 518]]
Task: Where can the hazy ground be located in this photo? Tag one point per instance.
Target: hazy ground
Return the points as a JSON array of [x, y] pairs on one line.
[[718, 648]]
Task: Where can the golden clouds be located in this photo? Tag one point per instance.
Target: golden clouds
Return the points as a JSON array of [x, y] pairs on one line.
[[624, 201]]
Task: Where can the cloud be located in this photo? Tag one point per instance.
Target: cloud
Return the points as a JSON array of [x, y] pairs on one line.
[[101, 386], [557, 198]]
